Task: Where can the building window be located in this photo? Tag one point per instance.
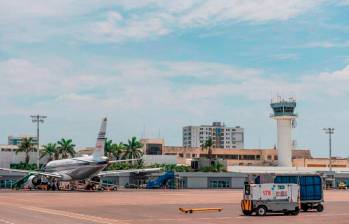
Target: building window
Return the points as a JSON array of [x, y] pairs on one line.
[[219, 183], [154, 149], [275, 157], [269, 157], [248, 157], [231, 156]]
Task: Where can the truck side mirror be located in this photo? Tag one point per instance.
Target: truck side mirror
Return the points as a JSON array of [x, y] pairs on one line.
[[247, 189]]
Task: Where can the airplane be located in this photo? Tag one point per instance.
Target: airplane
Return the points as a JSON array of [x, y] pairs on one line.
[[78, 168]]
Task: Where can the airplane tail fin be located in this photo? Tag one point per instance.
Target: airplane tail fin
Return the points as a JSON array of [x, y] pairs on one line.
[[99, 151]]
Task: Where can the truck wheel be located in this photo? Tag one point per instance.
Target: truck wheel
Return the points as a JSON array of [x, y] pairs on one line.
[[295, 212], [245, 212], [115, 188], [320, 208], [305, 207], [261, 210]]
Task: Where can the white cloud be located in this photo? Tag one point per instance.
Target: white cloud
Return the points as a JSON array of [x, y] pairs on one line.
[[252, 11], [162, 94], [325, 44], [285, 56], [126, 20], [139, 84], [163, 17], [116, 28]]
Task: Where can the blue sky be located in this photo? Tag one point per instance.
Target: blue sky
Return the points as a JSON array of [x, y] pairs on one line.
[[154, 66]]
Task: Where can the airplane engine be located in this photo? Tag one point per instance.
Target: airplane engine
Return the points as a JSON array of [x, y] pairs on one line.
[[33, 181]]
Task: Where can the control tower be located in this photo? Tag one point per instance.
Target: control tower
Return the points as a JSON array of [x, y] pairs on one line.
[[284, 115]]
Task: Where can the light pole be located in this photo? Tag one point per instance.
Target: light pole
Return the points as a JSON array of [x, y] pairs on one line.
[[38, 119], [330, 132]]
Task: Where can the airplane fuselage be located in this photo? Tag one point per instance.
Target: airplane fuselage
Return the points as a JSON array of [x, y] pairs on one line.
[[79, 168]]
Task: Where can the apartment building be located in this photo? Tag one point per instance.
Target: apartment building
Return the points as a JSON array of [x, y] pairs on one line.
[[222, 136]]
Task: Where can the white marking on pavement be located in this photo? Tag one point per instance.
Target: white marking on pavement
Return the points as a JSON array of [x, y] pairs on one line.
[[6, 221], [172, 194], [73, 215]]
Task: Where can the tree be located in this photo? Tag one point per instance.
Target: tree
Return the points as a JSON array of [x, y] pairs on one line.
[[133, 149], [114, 150], [208, 145], [26, 146], [66, 148], [51, 150], [108, 150], [118, 150]]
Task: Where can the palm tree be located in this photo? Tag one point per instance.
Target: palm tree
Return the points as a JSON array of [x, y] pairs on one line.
[[66, 148], [208, 145], [118, 150], [133, 149], [108, 150], [113, 150], [26, 146], [51, 150]]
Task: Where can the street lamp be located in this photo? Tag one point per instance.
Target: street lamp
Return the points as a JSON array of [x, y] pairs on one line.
[[38, 119], [330, 132]]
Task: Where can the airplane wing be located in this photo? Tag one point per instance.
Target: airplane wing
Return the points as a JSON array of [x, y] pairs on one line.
[[111, 172], [123, 160], [31, 172]]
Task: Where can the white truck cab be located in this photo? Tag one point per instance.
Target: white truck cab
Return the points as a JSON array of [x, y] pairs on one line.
[[271, 198]]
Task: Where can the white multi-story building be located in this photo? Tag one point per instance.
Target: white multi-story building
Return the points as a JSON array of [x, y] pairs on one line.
[[16, 140], [222, 136], [9, 156]]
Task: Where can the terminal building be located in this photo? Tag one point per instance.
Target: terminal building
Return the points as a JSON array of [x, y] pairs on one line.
[[240, 157], [234, 157], [222, 136]]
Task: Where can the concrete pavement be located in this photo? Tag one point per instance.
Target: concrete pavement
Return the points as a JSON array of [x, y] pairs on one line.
[[143, 206]]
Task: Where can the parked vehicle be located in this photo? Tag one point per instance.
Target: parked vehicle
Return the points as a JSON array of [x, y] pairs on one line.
[[271, 198], [311, 189], [161, 181], [342, 186]]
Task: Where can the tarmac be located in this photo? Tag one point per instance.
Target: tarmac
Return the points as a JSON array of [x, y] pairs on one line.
[[151, 206]]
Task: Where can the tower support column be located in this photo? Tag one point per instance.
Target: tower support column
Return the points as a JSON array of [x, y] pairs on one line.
[[284, 141]]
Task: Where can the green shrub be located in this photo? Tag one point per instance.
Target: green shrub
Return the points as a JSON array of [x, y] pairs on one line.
[[23, 166], [217, 167]]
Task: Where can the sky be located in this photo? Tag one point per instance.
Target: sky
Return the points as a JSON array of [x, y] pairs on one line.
[[154, 66]]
